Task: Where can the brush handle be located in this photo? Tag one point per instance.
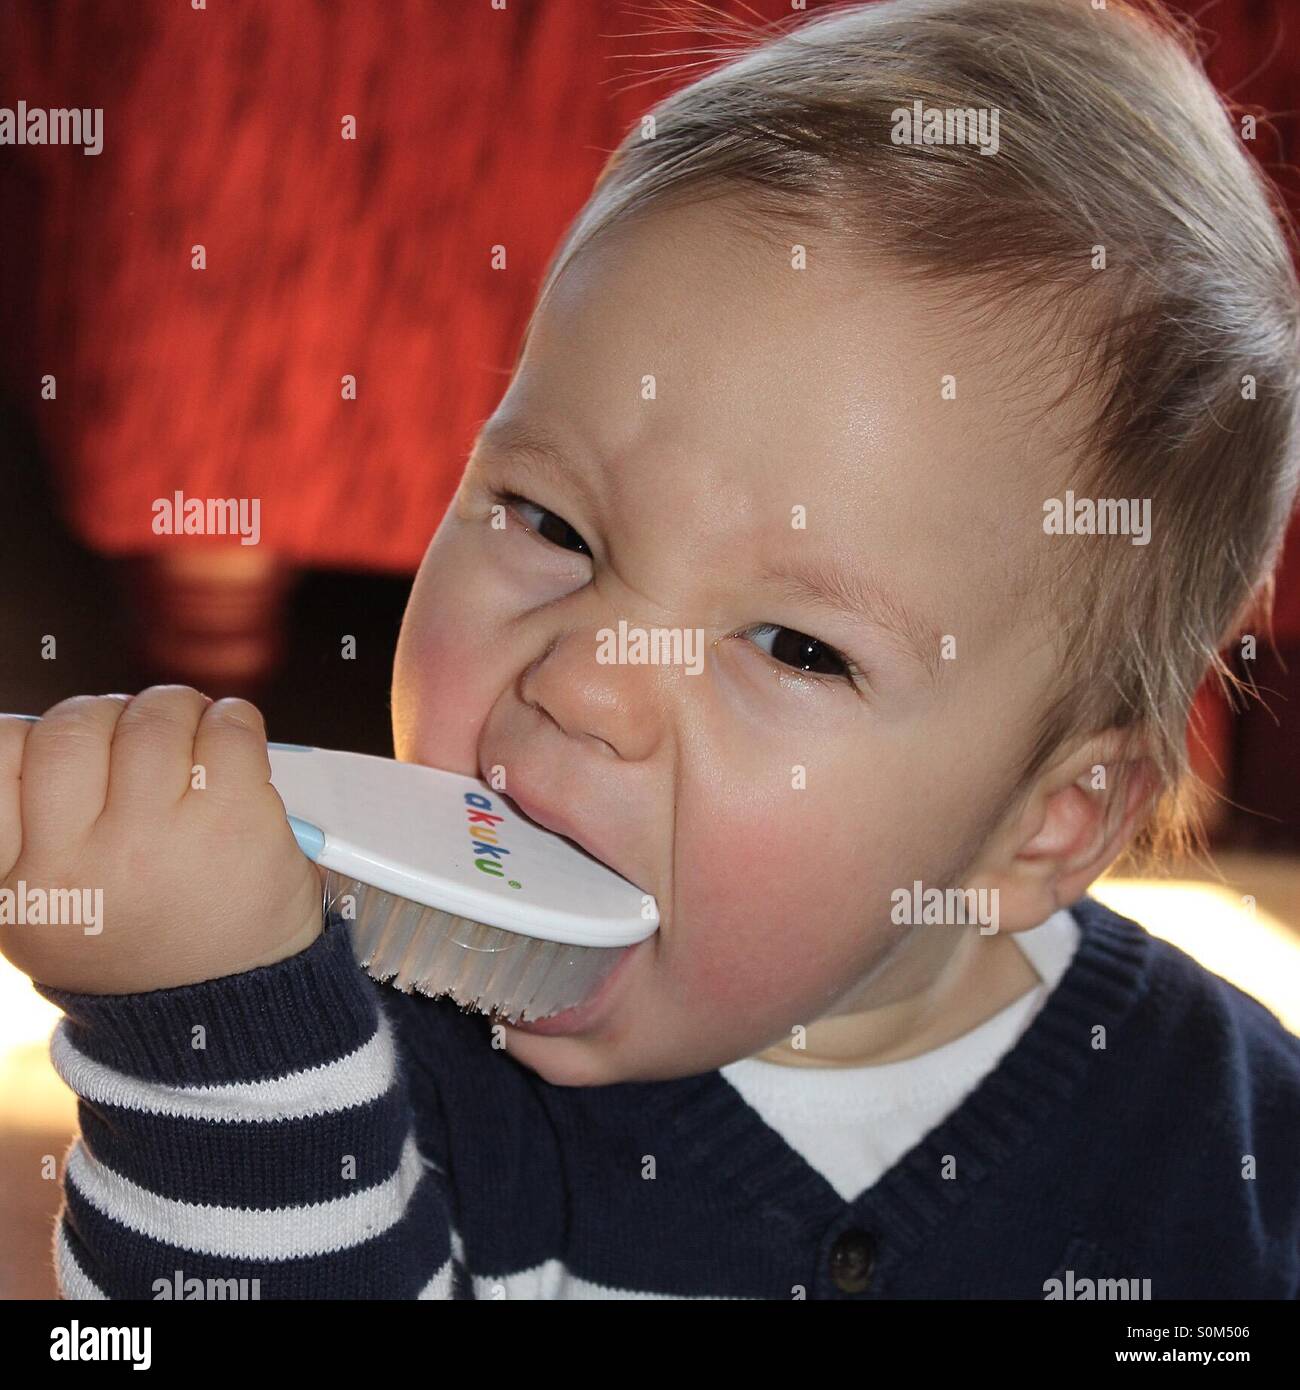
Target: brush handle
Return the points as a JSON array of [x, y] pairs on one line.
[[311, 838]]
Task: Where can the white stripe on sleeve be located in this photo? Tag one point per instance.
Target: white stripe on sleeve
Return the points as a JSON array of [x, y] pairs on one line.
[[358, 1078], [73, 1281], [240, 1233]]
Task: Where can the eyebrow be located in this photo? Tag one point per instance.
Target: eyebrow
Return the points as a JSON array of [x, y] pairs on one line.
[[850, 592], [542, 451]]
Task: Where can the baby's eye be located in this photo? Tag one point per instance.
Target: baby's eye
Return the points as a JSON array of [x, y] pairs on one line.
[[549, 527], [804, 653]]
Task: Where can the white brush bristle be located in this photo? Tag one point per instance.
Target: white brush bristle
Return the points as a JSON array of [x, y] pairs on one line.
[[414, 947]]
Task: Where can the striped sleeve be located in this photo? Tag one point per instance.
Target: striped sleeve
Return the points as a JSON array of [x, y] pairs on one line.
[[251, 1137]]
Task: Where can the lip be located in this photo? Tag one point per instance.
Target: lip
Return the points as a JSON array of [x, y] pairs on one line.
[[581, 1016], [553, 821]]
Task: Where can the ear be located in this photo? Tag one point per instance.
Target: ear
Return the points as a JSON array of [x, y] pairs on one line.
[[1058, 840]]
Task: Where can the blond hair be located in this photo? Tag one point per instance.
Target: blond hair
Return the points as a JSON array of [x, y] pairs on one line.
[[1110, 136]]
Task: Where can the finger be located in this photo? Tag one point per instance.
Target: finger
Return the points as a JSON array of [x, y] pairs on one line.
[[64, 777], [13, 739], [153, 748], [231, 746]]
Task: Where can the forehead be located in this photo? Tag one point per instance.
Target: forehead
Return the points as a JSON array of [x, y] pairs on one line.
[[712, 371]]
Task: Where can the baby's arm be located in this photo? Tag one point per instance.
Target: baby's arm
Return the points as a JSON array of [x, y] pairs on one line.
[[254, 1131], [243, 1115]]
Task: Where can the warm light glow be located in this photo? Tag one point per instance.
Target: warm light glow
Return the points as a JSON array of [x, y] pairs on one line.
[[1222, 930], [31, 1094], [25, 1017]]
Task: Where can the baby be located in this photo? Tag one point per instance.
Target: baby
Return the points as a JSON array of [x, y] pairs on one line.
[[935, 364]]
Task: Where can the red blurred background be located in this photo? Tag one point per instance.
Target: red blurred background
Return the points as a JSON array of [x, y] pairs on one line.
[[478, 133]]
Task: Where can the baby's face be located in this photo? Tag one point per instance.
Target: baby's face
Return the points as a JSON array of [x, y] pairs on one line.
[[733, 433]]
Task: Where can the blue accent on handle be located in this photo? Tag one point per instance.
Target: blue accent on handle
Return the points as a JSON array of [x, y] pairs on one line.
[[30, 718], [311, 838]]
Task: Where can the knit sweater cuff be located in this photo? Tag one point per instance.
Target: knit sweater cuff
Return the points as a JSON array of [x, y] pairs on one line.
[[300, 1012]]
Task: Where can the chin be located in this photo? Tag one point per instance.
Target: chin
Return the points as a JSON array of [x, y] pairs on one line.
[[562, 1061]]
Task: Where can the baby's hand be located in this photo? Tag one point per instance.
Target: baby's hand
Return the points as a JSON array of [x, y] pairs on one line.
[[163, 803]]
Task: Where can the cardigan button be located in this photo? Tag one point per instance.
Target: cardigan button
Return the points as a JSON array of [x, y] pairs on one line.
[[853, 1256]]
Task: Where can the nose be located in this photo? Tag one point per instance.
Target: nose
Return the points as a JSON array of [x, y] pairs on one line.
[[618, 704]]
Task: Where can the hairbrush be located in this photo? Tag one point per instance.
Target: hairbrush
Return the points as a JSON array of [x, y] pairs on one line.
[[449, 890]]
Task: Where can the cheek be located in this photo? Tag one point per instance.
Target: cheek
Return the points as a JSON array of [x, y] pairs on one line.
[[455, 654], [444, 679], [770, 912]]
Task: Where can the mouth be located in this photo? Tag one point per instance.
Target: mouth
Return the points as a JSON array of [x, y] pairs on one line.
[[581, 1016], [559, 825], [578, 1017]]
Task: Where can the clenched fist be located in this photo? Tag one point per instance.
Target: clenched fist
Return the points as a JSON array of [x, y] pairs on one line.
[[160, 810]]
